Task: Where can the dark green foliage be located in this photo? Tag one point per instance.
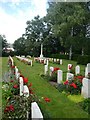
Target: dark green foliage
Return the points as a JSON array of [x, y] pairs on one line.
[[60, 56], [83, 59], [85, 105]]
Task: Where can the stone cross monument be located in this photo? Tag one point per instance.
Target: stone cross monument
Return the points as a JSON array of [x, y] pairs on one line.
[[41, 55]]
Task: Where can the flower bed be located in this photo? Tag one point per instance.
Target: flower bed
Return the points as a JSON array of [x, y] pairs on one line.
[[18, 106]]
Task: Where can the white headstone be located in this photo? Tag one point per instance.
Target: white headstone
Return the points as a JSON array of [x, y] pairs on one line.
[[21, 86], [36, 112], [59, 76], [88, 67], [47, 62], [60, 61], [70, 76], [26, 91], [31, 62], [45, 69], [69, 65], [55, 60], [77, 69], [51, 70], [16, 73], [85, 91]]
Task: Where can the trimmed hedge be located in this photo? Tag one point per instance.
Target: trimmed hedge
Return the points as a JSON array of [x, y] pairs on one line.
[[83, 59], [60, 56]]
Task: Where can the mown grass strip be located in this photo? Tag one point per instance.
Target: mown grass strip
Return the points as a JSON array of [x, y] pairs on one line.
[[60, 106]]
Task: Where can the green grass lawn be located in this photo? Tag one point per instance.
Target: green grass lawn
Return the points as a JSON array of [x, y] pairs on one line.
[[61, 105]]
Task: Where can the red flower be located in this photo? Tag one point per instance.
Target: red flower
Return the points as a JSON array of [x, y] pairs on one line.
[[9, 108], [31, 92], [80, 77], [15, 86], [13, 66], [73, 85], [66, 82], [47, 99], [11, 81], [30, 85], [6, 109], [25, 80], [70, 67], [55, 69]]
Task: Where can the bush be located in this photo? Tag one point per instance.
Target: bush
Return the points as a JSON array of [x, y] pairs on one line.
[[85, 105], [75, 56], [83, 59], [60, 56]]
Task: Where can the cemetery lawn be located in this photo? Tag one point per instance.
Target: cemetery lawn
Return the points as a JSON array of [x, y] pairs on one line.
[[61, 105]]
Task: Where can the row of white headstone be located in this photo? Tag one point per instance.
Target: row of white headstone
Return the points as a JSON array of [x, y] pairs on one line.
[[85, 90], [10, 59], [25, 59], [86, 83], [24, 91]]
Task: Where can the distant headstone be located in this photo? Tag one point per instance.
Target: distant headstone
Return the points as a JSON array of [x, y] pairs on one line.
[[36, 112], [47, 62], [45, 69], [55, 60], [60, 61], [59, 76], [69, 65], [51, 70], [16, 73], [70, 76], [31, 62], [85, 91], [77, 69]]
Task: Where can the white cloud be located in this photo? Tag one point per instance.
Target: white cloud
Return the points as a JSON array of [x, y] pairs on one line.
[[13, 26]]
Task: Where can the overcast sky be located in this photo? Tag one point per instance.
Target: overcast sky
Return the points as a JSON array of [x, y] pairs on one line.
[[15, 13]]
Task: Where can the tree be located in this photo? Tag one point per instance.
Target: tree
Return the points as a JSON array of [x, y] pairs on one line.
[[69, 20]]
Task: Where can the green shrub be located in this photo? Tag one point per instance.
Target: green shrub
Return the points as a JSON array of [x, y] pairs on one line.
[[86, 105], [60, 56], [75, 56], [83, 59]]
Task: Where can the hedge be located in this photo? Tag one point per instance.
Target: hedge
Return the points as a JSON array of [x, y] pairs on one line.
[[60, 56], [83, 59]]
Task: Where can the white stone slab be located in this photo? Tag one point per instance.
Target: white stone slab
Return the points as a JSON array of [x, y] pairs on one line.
[[26, 91], [21, 86], [61, 62], [45, 69], [36, 112], [59, 76], [51, 70], [85, 91], [77, 69], [69, 65], [70, 76]]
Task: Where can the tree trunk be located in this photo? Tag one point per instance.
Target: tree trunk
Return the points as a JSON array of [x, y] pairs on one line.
[[70, 53], [82, 51]]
